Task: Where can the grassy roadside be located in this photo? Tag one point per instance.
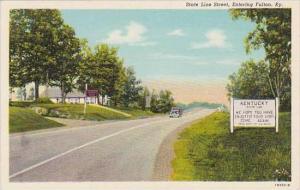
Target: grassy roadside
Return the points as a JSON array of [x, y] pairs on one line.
[[206, 151], [75, 111], [93, 112], [136, 113], [22, 119]]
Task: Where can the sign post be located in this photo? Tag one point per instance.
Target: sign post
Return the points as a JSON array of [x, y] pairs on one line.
[[251, 113], [84, 109]]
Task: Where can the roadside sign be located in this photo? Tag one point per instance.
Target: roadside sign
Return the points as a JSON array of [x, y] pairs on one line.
[[254, 113], [91, 93]]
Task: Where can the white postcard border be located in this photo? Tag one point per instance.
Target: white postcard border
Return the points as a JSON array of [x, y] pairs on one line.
[[4, 32]]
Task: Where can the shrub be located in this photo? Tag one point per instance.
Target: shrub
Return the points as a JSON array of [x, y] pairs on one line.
[[21, 104], [40, 110], [44, 100]]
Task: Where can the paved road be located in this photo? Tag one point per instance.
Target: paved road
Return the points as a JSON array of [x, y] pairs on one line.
[[114, 151]]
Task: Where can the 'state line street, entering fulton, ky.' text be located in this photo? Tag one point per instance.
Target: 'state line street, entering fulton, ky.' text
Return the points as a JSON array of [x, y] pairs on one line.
[[233, 4]]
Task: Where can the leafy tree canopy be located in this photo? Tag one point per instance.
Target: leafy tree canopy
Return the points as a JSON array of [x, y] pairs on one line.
[[273, 34]]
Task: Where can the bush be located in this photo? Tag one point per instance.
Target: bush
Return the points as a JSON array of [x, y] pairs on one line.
[[44, 100], [21, 104], [161, 103], [40, 110]]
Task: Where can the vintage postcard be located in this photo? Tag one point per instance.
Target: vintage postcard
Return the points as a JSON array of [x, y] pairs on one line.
[[150, 95]]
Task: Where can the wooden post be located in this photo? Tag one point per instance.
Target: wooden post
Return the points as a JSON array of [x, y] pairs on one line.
[[231, 115], [84, 109], [277, 114]]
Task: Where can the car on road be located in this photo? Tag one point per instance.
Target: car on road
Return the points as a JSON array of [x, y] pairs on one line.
[[175, 112]]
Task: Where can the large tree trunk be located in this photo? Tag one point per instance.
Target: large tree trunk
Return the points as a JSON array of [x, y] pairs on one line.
[[98, 99], [144, 103], [103, 96], [36, 90], [115, 102], [271, 86], [278, 88]]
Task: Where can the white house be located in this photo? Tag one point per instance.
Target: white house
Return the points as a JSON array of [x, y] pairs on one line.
[[54, 94]]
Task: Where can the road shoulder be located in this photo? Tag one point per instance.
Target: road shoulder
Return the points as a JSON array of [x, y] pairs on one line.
[[163, 164], [69, 124]]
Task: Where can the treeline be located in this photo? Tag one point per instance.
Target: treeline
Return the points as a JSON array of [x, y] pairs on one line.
[[162, 102], [271, 77], [199, 105], [45, 51]]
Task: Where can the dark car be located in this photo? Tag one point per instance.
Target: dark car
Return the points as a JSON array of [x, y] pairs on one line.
[[176, 112]]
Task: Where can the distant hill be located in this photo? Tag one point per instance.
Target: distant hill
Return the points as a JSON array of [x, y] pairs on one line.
[[199, 105]]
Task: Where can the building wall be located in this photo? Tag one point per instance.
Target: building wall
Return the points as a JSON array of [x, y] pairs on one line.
[[27, 93]]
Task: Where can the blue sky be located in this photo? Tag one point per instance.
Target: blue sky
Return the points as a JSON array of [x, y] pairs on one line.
[[169, 44]]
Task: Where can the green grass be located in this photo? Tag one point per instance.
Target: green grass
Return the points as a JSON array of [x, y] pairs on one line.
[[75, 111], [21, 104], [206, 151], [23, 116], [136, 113], [24, 119], [94, 112]]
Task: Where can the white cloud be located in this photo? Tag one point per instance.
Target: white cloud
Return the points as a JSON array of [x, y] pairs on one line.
[[215, 39], [177, 32], [133, 34]]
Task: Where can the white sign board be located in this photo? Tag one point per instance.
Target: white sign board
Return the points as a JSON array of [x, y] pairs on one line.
[[254, 113]]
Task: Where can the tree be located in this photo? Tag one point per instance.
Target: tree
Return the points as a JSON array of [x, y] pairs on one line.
[[161, 103], [90, 73], [154, 102], [15, 75], [85, 65], [251, 81], [102, 70], [64, 71], [117, 80], [131, 88], [166, 101], [21, 93], [273, 33], [144, 94], [116, 97], [33, 34]]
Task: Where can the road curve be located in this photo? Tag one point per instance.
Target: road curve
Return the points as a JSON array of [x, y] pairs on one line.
[[113, 151]]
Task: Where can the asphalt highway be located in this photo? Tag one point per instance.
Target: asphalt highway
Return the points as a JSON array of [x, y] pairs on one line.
[[112, 151]]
